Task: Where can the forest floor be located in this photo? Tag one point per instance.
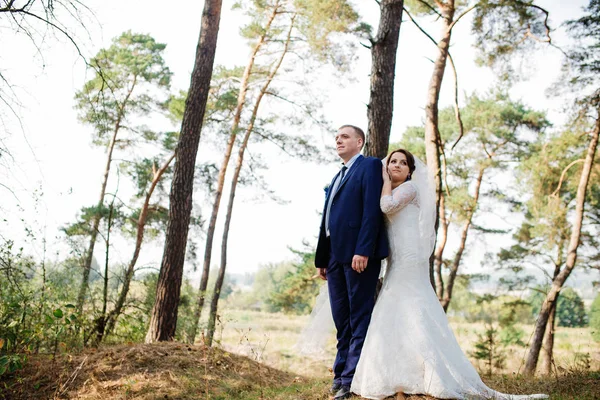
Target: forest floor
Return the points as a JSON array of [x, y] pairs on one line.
[[254, 358], [179, 371]]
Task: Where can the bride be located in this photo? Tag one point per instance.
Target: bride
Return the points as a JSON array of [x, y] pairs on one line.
[[409, 346]]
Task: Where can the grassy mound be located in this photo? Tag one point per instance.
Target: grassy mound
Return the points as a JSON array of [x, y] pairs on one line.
[[158, 371], [179, 371]]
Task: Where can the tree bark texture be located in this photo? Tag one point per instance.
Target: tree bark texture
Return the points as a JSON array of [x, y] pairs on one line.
[[558, 282], [547, 357], [163, 320], [548, 343], [383, 72], [433, 141], [442, 238]]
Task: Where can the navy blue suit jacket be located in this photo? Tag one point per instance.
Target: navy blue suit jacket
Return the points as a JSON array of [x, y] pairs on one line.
[[355, 221]]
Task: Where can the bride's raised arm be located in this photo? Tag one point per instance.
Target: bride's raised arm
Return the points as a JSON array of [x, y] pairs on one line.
[[391, 202]]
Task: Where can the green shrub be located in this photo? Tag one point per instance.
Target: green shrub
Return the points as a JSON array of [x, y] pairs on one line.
[[570, 311], [595, 318]]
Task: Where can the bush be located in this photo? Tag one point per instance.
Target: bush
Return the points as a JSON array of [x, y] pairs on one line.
[[488, 349], [570, 311], [595, 318]]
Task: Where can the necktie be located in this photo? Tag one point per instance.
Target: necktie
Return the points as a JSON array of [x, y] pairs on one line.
[[334, 189], [344, 168]]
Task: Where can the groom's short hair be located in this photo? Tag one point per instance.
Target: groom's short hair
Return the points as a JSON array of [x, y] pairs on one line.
[[357, 130]]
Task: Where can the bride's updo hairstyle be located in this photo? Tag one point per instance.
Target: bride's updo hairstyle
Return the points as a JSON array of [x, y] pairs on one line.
[[410, 159]]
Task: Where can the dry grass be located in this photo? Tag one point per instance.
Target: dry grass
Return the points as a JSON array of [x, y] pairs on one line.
[[177, 371], [158, 371], [270, 338], [264, 345], [573, 386]]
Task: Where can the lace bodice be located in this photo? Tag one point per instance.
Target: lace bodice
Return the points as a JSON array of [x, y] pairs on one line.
[[401, 196], [401, 210]]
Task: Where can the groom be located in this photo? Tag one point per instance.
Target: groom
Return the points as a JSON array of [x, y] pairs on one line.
[[351, 244]]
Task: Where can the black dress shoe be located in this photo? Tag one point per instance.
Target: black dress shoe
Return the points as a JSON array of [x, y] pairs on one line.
[[343, 393], [334, 388]]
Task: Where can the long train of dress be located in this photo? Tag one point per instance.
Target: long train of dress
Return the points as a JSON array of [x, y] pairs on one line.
[[410, 346]]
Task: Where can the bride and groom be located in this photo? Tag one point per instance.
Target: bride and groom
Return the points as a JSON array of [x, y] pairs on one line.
[[402, 343]]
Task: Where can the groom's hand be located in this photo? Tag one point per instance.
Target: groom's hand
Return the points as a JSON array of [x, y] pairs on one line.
[[359, 263], [323, 273]]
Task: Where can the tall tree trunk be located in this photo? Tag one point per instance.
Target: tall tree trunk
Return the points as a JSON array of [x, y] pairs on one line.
[[548, 343], [163, 321], [210, 233], [383, 72], [558, 282], [42, 301], [101, 320], [89, 255], [463, 241], [87, 266], [234, 181], [547, 358], [442, 238], [433, 141], [141, 224]]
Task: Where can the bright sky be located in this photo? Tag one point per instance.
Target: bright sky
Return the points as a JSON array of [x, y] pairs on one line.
[[53, 150]]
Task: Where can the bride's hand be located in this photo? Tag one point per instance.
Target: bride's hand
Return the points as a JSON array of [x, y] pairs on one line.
[[385, 174]]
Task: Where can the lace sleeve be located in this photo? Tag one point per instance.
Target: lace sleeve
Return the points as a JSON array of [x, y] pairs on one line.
[[400, 198]]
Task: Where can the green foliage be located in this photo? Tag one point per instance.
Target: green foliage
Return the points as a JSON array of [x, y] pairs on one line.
[[83, 225], [284, 287], [547, 179], [491, 346], [595, 318], [464, 305], [34, 314], [130, 79], [413, 140], [506, 310], [504, 28], [11, 363], [126, 77], [295, 293], [584, 59], [320, 20], [498, 132], [266, 281], [512, 312], [426, 8], [570, 311], [142, 172], [488, 349], [185, 310], [319, 26], [223, 96]]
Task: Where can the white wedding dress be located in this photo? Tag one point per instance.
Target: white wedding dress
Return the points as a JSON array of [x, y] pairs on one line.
[[410, 347]]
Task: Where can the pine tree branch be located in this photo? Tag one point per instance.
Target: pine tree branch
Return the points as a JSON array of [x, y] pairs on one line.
[[426, 4], [468, 10], [419, 26], [456, 107], [562, 176]]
